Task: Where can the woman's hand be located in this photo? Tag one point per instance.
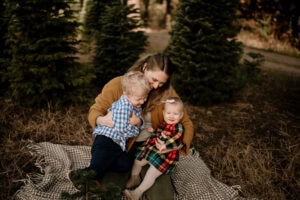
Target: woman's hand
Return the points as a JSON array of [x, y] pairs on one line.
[[134, 120], [105, 120]]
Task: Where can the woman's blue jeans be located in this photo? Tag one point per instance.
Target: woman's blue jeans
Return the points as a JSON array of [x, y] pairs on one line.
[[108, 156]]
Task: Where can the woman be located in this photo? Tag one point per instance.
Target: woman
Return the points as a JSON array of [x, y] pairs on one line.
[[158, 70]]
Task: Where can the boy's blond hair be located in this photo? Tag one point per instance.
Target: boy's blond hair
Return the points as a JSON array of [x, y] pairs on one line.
[[135, 81]]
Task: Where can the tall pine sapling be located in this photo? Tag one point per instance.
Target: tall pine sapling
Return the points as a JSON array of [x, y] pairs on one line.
[[94, 10], [118, 42], [204, 49], [4, 55], [44, 69]]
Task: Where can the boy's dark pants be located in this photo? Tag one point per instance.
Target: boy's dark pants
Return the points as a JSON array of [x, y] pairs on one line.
[[162, 188], [108, 156]]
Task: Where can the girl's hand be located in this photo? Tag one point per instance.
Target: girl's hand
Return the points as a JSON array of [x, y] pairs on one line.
[[160, 145], [150, 130], [105, 120], [134, 120], [165, 134]]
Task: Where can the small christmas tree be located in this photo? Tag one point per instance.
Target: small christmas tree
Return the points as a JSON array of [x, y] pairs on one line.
[[4, 56], [44, 69], [204, 49], [95, 9], [118, 43]]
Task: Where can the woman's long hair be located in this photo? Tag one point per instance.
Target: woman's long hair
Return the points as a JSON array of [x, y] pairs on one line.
[[155, 62]]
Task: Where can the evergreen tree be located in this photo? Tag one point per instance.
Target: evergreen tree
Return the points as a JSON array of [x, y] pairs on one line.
[[95, 8], [118, 44], [204, 49], [43, 69], [4, 56]]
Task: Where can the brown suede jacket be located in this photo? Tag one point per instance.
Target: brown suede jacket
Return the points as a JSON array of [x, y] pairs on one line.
[[112, 91]]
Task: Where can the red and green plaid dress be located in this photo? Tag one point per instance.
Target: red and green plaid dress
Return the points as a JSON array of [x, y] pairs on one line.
[[163, 162]]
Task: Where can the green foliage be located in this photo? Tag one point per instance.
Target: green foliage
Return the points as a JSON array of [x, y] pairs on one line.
[[44, 69], [90, 188], [95, 9], [118, 43], [204, 50], [4, 56], [92, 19]]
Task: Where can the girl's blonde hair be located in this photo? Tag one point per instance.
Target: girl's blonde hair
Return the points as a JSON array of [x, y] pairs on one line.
[[174, 100], [155, 62], [133, 82]]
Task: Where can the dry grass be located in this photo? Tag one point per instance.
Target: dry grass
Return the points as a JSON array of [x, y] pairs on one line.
[[252, 141], [20, 125]]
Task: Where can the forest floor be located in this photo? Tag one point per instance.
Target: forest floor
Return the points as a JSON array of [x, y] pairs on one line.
[[158, 39], [252, 141]]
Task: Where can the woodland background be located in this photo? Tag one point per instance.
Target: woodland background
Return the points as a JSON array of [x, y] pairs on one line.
[[56, 55]]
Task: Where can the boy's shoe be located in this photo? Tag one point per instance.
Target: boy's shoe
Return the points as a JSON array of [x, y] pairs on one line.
[[82, 177]]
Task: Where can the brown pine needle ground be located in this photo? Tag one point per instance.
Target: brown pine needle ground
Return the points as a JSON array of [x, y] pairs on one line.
[[252, 141]]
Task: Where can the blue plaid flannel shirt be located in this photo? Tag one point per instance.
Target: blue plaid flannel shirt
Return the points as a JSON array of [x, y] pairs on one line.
[[122, 130]]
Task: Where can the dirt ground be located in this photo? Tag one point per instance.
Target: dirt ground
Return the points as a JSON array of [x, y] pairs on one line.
[[158, 40], [276, 62], [273, 61]]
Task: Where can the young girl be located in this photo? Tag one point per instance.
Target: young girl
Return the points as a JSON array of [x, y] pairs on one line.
[[171, 132]]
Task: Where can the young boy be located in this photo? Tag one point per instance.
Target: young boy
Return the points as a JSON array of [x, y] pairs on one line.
[[171, 132], [109, 150]]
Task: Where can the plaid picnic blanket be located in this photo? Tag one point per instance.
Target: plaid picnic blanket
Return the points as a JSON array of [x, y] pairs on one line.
[[192, 180], [191, 177]]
